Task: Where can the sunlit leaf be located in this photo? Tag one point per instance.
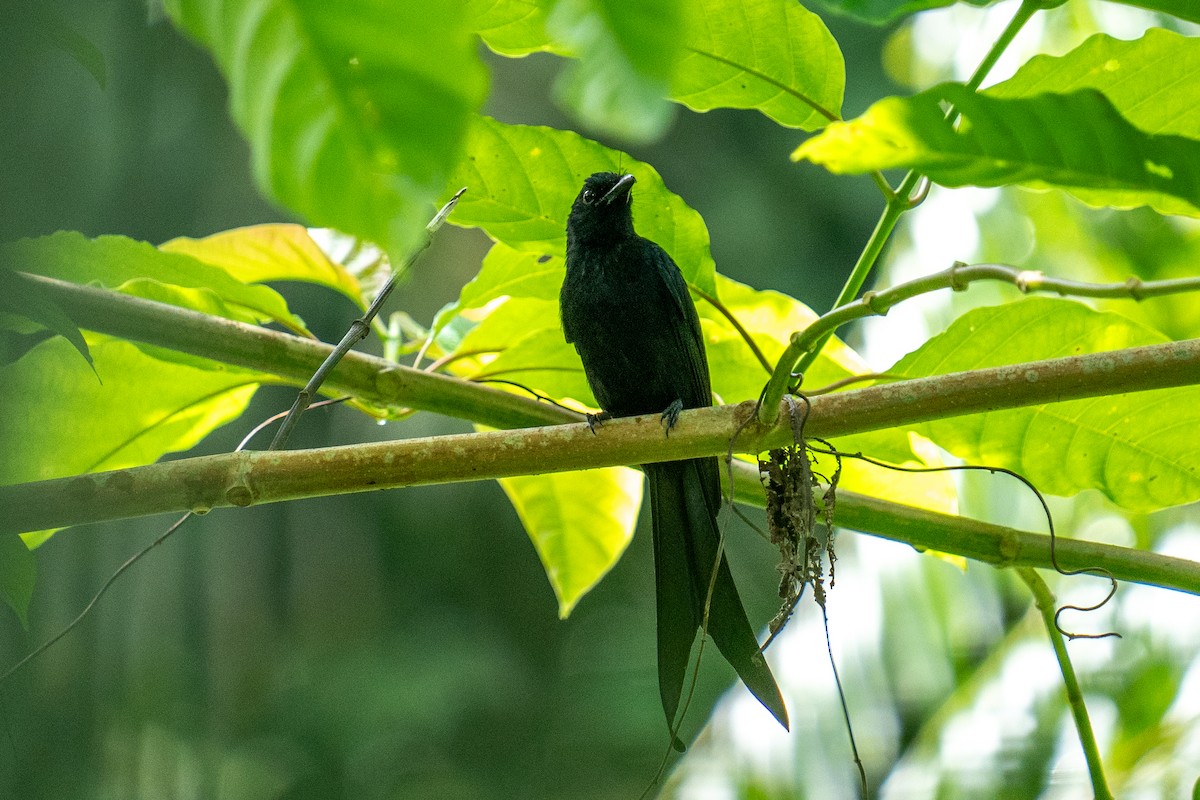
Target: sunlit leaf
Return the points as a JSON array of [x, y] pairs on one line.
[[507, 273], [579, 522], [626, 53], [769, 55], [116, 262], [524, 179], [355, 111], [512, 27], [1141, 450], [1077, 142], [880, 12], [68, 423], [273, 252], [1150, 81]]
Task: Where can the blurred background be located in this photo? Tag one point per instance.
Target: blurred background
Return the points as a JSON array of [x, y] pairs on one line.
[[406, 643]]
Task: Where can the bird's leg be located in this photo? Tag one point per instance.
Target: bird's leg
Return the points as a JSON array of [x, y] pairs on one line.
[[671, 415], [594, 420]]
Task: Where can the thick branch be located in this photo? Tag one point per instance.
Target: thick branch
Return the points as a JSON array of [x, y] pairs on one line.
[[245, 478], [293, 358]]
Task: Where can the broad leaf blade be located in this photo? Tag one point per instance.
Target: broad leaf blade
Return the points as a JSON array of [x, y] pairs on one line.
[[273, 252], [116, 262], [1141, 450], [1076, 142], [1150, 81], [524, 179], [67, 423], [626, 54], [513, 27], [580, 524], [881, 12], [769, 55], [355, 111]]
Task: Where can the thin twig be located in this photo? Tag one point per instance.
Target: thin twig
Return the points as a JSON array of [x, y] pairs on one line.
[[958, 277], [737, 325], [358, 330]]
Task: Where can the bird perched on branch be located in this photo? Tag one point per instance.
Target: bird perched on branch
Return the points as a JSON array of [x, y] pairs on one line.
[[626, 308]]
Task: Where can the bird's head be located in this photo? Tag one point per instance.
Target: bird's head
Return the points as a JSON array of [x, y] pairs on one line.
[[603, 208]]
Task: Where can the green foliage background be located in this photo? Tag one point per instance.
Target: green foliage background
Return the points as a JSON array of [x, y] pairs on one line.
[[408, 644]]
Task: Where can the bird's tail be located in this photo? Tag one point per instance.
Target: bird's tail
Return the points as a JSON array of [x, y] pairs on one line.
[[685, 497]]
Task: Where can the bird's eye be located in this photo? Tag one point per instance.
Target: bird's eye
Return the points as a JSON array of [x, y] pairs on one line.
[[588, 197]]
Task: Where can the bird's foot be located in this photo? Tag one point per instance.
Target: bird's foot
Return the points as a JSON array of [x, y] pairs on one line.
[[671, 415], [594, 420]]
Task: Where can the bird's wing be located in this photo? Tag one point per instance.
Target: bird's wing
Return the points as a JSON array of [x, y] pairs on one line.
[[691, 339]]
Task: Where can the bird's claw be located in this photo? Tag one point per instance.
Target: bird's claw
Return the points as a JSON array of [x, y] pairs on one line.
[[671, 415], [594, 420]]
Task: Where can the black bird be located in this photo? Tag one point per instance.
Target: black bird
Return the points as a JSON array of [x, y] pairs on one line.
[[626, 308]]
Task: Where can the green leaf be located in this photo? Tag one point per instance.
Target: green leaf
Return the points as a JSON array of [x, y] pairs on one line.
[[1150, 81], [355, 111], [521, 340], [769, 317], [67, 423], [513, 27], [18, 571], [626, 54], [523, 180], [1076, 142], [881, 12], [1184, 9], [116, 262], [507, 273], [769, 55], [580, 524], [273, 252], [24, 298], [1141, 450]]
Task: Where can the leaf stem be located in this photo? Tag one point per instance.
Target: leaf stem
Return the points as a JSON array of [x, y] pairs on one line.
[[960, 276], [733, 320], [358, 330], [796, 359], [1044, 599]]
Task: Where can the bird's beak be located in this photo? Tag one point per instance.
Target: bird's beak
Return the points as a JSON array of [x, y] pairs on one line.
[[620, 189]]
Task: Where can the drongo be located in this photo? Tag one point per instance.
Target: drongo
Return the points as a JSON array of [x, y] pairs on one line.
[[626, 308]]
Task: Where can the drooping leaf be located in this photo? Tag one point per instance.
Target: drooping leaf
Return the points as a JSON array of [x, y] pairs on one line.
[[580, 524], [1076, 142], [1141, 450], [355, 111], [18, 572], [1150, 81], [524, 178], [771, 55], [24, 298], [272, 252]]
